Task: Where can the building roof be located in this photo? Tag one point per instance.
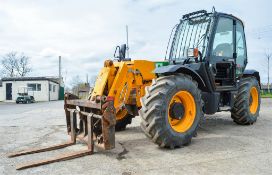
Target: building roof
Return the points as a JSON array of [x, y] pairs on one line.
[[53, 79], [84, 89]]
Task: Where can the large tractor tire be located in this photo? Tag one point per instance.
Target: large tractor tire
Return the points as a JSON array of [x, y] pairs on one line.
[[247, 103], [171, 110], [122, 123]]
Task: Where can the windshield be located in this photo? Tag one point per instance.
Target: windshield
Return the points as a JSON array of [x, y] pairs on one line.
[[190, 33]]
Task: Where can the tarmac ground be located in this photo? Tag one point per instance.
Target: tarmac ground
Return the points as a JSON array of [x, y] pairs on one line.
[[221, 146]]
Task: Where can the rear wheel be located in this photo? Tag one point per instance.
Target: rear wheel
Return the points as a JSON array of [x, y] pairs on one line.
[[247, 104], [171, 110]]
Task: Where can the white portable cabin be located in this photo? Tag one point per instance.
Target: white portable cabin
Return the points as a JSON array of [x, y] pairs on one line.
[[42, 88]]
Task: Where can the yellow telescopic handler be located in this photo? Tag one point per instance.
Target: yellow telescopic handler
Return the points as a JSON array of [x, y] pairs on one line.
[[204, 72]]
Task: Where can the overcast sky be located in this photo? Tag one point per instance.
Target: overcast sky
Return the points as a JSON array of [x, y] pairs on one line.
[[86, 32]]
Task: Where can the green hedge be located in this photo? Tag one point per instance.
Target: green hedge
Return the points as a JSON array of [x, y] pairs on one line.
[[266, 95]]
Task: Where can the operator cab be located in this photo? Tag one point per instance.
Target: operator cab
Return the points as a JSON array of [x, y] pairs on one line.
[[214, 42], [227, 56]]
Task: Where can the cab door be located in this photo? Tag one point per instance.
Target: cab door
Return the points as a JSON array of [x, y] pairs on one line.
[[241, 51], [223, 54]]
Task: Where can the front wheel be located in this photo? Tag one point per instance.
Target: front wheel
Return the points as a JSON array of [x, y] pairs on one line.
[[171, 110], [247, 102]]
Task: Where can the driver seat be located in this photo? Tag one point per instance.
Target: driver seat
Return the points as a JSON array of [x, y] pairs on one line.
[[223, 50]]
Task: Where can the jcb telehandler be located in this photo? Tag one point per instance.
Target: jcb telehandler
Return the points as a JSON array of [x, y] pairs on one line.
[[203, 73]]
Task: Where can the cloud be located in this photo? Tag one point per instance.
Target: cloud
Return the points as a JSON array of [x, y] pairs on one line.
[[85, 33]]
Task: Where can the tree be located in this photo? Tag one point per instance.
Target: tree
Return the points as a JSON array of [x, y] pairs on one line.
[[92, 80], [22, 66], [8, 64], [75, 82], [15, 65]]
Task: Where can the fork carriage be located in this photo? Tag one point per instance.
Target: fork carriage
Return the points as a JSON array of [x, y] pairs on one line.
[[90, 121]]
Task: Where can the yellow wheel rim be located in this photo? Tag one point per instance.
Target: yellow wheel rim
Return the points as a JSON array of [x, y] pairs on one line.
[[188, 118], [254, 102]]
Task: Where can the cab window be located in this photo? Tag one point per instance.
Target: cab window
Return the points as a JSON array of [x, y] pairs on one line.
[[240, 46], [223, 39]]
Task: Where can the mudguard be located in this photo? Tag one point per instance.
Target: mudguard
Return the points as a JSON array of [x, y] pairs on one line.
[[252, 72], [181, 69]]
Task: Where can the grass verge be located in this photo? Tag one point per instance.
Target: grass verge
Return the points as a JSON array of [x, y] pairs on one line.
[[266, 95]]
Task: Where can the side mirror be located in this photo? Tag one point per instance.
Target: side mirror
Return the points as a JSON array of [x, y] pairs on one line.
[[121, 52], [192, 52], [117, 48]]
